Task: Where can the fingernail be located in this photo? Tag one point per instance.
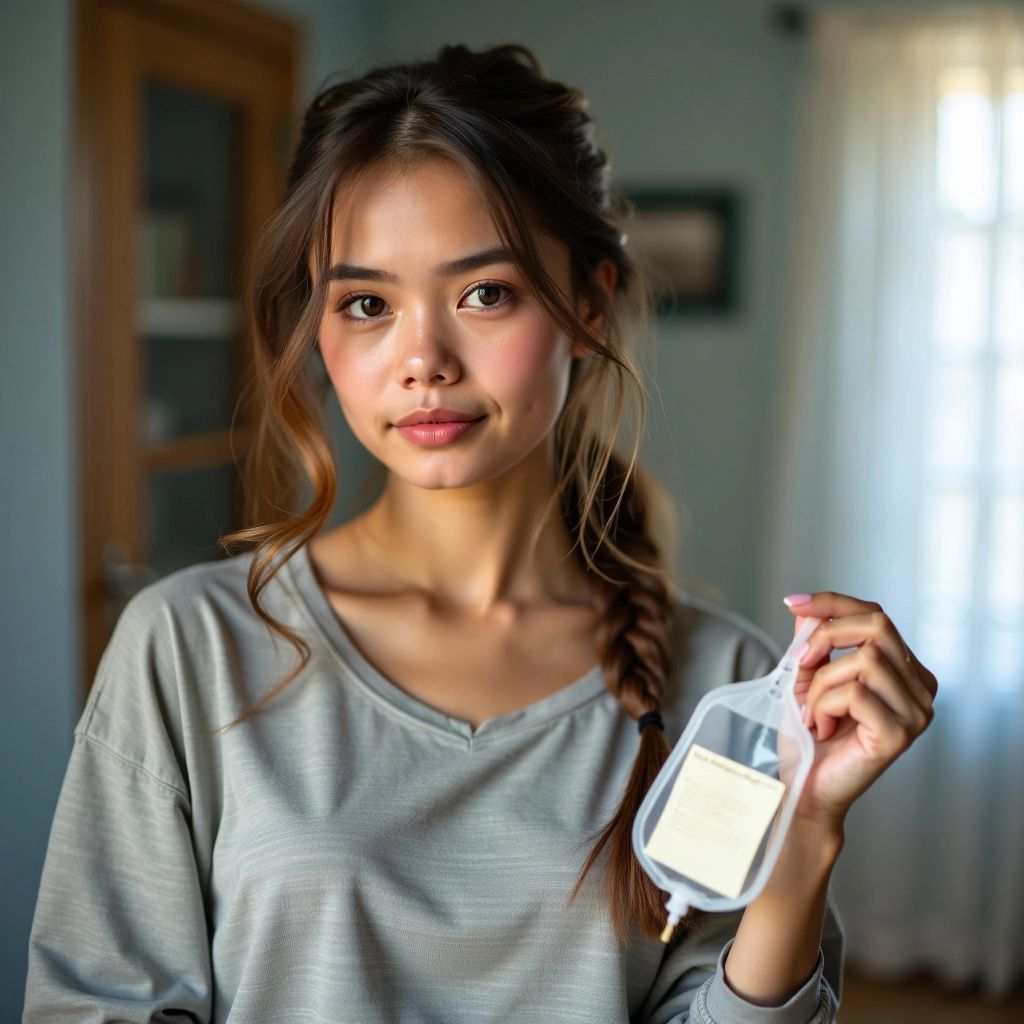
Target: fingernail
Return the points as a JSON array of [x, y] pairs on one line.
[[805, 715], [796, 599], [802, 650]]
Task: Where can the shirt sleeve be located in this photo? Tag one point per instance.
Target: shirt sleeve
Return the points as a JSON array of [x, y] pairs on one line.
[[120, 929], [690, 985]]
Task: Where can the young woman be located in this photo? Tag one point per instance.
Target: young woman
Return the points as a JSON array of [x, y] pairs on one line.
[[426, 815]]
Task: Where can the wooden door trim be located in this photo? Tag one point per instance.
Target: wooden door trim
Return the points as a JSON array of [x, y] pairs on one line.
[[105, 183], [231, 22]]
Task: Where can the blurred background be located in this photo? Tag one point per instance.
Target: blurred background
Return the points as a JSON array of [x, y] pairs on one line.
[[834, 194]]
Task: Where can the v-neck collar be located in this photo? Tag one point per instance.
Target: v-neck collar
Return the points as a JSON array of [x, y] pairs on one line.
[[586, 688]]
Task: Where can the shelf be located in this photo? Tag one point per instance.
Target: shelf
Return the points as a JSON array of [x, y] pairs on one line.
[[212, 449], [188, 318]]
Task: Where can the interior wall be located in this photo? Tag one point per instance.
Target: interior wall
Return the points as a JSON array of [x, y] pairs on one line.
[[38, 614]]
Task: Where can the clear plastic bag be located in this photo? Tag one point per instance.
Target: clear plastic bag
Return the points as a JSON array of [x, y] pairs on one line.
[[712, 824]]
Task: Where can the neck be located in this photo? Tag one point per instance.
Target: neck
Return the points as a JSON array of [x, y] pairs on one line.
[[470, 548]]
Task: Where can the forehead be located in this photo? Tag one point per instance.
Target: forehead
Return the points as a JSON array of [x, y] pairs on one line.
[[432, 210], [384, 205]]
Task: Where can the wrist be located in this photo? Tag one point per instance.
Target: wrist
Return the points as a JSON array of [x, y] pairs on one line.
[[805, 862], [779, 936], [824, 834]]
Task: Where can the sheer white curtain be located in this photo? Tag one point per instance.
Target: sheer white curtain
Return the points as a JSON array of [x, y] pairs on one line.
[[901, 454]]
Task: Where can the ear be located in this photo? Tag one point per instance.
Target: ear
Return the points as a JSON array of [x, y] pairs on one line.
[[605, 275]]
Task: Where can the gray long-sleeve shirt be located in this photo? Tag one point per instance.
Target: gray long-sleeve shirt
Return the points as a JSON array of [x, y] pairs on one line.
[[352, 854]]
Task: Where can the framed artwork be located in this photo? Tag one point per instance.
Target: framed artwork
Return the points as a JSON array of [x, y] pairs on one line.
[[686, 239]]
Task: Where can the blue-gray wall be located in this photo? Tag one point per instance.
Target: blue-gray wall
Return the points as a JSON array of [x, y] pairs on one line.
[[38, 517]]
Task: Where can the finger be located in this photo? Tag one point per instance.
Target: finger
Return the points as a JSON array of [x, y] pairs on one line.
[[872, 668], [881, 733], [877, 629], [823, 605], [826, 604], [813, 657], [854, 630], [927, 677], [876, 620]]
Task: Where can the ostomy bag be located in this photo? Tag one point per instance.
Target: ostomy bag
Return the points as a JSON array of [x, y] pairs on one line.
[[712, 824]]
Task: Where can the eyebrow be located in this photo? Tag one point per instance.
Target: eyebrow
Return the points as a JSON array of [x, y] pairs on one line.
[[449, 268]]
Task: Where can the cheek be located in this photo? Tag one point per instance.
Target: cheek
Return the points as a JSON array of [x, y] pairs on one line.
[[343, 359], [532, 370], [356, 374]]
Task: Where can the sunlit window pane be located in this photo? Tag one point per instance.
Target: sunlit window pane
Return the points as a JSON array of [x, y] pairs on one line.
[[954, 416], [1006, 559], [962, 268], [950, 527], [971, 620], [965, 159], [1003, 658], [1009, 314], [943, 638], [1013, 141], [1008, 448]]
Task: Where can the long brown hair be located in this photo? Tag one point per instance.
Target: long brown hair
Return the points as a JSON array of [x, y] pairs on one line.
[[528, 143]]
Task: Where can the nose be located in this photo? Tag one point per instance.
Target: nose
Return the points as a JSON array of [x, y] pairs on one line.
[[425, 355]]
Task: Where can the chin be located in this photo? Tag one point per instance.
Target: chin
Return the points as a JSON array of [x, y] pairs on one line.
[[451, 477], [444, 481]]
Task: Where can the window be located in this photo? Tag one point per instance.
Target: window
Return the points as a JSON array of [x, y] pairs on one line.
[[973, 527]]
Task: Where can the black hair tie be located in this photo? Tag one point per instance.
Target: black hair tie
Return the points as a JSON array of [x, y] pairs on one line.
[[647, 718]]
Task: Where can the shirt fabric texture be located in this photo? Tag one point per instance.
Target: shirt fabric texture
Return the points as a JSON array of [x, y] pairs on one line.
[[352, 854]]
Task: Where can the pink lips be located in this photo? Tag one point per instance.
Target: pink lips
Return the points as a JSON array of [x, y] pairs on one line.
[[432, 427]]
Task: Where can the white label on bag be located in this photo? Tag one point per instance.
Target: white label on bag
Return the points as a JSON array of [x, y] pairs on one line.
[[714, 820]]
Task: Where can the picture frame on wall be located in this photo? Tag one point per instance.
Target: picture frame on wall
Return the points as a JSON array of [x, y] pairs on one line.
[[687, 241]]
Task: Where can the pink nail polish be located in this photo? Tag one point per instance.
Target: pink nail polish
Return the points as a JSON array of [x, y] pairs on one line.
[[793, 600], [802, 650]]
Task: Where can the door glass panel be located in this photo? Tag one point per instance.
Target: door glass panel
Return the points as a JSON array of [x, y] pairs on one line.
[[190, 386], [188, 322], [187, 511], [188, 314]]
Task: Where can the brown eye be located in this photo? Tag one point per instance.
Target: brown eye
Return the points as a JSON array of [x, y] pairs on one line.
[[489, 295], [371, 305], [362, 307]]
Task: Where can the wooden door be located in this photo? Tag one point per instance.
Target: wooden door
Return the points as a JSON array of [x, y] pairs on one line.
[[185, 120]]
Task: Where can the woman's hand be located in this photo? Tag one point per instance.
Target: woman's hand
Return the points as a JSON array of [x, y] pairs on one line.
[[864, 708]]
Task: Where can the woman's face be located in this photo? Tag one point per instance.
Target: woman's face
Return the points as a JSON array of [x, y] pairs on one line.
[[424, 310]]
